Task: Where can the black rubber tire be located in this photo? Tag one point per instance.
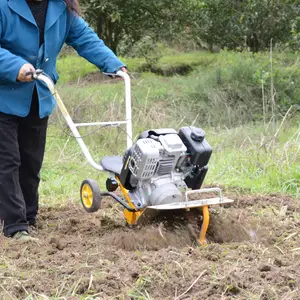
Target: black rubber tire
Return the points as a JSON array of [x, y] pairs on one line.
[[96, 195]]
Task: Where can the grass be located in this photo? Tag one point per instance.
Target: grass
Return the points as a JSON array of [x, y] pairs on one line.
[[252, 159], [237, 81], [71, 67]]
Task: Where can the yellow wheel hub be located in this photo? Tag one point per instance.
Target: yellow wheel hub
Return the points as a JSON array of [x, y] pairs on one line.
[[87, 195]]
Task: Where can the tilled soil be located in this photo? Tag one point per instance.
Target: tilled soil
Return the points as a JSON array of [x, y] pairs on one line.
[[253, 252]]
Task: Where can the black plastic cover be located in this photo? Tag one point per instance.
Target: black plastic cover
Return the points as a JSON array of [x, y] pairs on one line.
[[197, 134], [195, 180], [125, 172], [197, 146]]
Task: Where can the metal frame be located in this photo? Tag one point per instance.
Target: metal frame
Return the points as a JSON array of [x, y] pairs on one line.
[[39, 75], [188, 204]]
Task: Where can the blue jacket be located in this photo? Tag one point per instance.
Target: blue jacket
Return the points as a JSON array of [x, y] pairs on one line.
[[19, 44]]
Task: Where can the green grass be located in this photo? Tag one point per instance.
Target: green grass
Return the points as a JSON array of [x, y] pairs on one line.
[[248, 158], [71, 67], [222, 95], [235, 80]]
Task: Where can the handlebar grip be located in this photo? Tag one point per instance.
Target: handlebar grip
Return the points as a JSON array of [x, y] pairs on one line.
[[34, 74], [112, 75], [29, 74]]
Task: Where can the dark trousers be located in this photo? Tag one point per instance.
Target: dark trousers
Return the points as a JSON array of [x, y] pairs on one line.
[[22, 147]]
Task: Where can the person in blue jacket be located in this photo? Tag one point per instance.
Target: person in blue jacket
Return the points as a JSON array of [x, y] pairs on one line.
[[32, 33]]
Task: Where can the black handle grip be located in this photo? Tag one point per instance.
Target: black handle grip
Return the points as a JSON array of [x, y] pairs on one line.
[[29, 74], [111, 75], [34, 74]]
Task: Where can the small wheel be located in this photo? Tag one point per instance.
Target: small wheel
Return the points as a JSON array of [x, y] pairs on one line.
[[90, 195]]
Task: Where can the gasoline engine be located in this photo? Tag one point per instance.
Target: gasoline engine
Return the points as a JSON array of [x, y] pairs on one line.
[[162, 164]]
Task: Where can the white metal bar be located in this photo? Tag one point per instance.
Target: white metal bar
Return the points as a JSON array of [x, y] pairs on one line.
[[69, 121], [115, 123], [47, 80], [201, 191], [126, 78]]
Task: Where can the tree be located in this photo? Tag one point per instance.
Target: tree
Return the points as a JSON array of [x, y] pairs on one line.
[[234, 24], [115, 20], [243, 23]]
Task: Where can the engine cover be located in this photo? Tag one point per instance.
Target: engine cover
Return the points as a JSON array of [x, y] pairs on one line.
[[166, 193], [144, 159], [159, 190], [162, 163], [151, 157]]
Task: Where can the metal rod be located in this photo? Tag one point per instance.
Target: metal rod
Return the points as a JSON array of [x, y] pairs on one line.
[[69, 121], [207, 190], [47, 80], [126, 78], [115, 123], [120, 200]]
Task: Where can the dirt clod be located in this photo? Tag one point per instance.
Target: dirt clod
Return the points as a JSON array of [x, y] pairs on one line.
[[135, 275], [265, 268], [233, 290], [60, 245], [278, 262]]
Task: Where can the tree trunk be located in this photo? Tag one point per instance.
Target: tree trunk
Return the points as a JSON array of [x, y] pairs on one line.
[[105, 30]]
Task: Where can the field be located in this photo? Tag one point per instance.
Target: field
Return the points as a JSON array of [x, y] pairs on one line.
[[253, 249], [253, 253]]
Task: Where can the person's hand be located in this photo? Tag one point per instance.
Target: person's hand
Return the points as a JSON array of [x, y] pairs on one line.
[[115, 76], [22, 77]]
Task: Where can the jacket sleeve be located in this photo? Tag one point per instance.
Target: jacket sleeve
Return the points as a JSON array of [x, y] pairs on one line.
[[10, 64], [88, 45]]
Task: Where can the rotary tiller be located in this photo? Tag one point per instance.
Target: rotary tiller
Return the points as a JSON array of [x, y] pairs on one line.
[[158, 172]]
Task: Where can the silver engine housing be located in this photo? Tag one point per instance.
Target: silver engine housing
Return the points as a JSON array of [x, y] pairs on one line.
[[156, 175]]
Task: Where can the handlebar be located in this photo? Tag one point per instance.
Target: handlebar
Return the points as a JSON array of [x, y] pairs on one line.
[[42, 76], [35, 75]]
